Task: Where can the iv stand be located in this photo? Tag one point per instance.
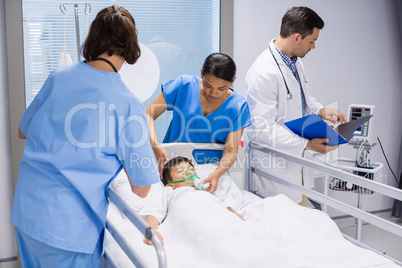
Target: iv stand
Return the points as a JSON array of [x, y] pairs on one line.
[[77, 22]]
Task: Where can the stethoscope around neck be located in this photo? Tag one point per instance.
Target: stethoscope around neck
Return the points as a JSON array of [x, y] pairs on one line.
[[289, 95], [107, 61]]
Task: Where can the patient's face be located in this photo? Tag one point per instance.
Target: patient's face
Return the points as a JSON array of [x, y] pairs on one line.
[[177, 172]]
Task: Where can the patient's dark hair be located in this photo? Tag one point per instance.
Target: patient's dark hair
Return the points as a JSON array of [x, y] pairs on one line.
[[167, 168], [220, 65], [113, 31], [300, 20]]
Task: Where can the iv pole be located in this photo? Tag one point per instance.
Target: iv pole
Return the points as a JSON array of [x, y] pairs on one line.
[[77, 22]]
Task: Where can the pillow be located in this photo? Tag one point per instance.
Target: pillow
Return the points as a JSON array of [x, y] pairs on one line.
[[121, 185], [114, 214]]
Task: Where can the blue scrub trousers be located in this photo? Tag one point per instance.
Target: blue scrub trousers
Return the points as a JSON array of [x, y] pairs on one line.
[[34, 253]]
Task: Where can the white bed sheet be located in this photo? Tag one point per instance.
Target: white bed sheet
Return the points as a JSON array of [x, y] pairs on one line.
[[199, 232]]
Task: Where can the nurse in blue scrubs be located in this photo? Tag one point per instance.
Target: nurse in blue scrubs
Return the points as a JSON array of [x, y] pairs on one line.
[[205, 110], [81, 129]]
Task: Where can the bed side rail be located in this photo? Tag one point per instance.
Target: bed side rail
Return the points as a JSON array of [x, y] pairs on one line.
[[362, 245], [358, 213], [141, 225]]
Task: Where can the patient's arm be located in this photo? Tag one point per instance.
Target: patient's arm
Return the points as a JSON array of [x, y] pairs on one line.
[[153, 223], [237, 214]]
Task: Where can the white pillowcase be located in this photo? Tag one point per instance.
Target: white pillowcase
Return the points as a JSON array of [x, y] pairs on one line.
[[227, 191], [121, 185]]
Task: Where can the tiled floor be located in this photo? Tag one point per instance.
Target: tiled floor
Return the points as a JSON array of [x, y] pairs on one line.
[[375, 237]]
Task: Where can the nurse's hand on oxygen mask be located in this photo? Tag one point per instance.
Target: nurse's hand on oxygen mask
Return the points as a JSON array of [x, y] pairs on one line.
[[192, 179], [212, 181], [333, 115]]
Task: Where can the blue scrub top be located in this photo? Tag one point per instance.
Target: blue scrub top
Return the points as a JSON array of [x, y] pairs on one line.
[[82, 128], [189, 124]]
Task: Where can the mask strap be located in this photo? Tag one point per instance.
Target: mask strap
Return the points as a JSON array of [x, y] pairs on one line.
[[178, 181]]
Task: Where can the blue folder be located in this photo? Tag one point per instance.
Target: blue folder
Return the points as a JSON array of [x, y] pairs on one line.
[[312, 126]]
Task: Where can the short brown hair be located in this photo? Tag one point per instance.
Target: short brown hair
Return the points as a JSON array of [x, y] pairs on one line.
[[113, 31], [300, 20]]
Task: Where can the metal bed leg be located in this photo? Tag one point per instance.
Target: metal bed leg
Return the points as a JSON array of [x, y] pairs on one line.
[[326, 187], [358, 222], [249, 172]]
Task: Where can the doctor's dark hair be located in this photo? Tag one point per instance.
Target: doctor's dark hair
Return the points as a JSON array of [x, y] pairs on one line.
[[167, 168], [300, 20], [220, 65], [113, 31]]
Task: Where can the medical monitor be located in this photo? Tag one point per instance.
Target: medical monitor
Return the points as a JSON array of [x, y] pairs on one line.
[[365, 132]]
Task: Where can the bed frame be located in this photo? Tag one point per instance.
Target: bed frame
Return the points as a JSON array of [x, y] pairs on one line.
[[245, 181], [141, 225], [324, 199]]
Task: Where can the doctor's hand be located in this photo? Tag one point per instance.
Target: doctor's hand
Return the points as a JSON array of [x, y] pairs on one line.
[[318, 145], [161, 156], [333, 115], [212, 179]]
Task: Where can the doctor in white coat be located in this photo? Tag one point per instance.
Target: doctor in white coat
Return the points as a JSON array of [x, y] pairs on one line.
[[277, 92]]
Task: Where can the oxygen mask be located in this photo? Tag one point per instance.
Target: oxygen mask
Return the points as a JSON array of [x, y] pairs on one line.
[[191, 179]]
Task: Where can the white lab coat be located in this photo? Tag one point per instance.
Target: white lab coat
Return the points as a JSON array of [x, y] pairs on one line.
[[270, 108]]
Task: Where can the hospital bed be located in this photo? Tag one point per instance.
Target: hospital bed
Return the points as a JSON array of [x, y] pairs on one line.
[[125, 229]]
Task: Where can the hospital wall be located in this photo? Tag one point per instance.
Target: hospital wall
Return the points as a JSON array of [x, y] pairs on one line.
[[7, 233], [357, 60]]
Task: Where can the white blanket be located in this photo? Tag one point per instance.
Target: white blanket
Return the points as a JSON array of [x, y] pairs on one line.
[[200, 232]]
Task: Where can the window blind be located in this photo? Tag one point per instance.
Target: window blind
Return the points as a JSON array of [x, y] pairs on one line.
[[181, 33]]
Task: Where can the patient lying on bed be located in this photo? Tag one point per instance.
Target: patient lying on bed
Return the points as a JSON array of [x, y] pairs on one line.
[[176, 186], [199, 231]]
